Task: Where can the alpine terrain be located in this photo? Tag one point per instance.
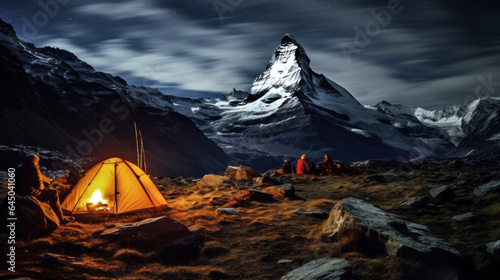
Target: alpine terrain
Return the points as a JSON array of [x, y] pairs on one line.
[[52, 100], [291, 110]]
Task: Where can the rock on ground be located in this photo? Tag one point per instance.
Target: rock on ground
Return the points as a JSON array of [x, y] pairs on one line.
[[415, 201], [386, 179], [171, 240], [443, 194], [315, 213], [385, 233], [227, 210], [211, 180], [321, 269], [245, 197], [266, 181], [241, 173], [286, 191], [494, 248], [49, 260], [486, 188], [34, 218], [463, 217]]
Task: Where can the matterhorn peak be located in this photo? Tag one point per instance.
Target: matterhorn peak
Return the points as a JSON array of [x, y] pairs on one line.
[[288, 75], [288, 40], [284, 71]]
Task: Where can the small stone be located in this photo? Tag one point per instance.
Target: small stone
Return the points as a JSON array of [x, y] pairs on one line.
[[228, 210], [315, 213], [285, 191], [443, 194], [245, 197], [325, 268], [415, 201], [463, 217], [493, 248], [284, 261], [266, 181]]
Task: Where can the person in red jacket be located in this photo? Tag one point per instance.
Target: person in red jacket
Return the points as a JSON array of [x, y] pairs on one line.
[[303, 166], [30, 181]]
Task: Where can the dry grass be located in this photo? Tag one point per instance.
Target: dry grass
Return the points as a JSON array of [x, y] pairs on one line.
[[248, 245]]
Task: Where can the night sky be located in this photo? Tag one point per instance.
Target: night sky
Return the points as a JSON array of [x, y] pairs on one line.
[[423, 53]]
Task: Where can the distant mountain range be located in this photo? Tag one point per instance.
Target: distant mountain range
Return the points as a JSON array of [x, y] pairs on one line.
[[54, 100]]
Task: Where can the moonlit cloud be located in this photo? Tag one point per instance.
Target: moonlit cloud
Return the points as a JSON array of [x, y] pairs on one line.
[[429, 55]]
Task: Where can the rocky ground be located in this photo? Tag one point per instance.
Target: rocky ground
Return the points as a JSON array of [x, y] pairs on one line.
[[365, 224]]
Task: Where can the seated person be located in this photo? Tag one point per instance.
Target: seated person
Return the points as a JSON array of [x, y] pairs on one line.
[[303, 166], [287, 167], [30, 181], [328, 167]]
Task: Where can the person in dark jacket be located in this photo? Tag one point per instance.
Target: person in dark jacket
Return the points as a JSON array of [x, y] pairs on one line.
[[30, 181], [303, 166], [287, 167], [327, 167]]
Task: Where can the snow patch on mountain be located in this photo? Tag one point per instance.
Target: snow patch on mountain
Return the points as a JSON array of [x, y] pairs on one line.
[[459, 121]]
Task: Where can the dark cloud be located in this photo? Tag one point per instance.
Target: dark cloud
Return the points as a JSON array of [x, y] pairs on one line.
[[429, 54]]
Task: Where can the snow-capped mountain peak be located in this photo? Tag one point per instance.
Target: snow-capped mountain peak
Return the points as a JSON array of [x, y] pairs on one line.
[[459, 121], [288, 75], [292, 110], [283, 73]]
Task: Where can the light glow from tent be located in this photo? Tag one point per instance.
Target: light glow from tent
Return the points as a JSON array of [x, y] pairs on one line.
[[97, 197], [97, 202]]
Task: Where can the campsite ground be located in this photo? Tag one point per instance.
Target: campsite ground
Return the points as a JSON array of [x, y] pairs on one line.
[[249, 244]]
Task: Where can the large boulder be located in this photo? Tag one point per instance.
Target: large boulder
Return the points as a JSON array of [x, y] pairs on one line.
[[33, 218], [321, 269], [241, 173], [385, 233], [171, 240]]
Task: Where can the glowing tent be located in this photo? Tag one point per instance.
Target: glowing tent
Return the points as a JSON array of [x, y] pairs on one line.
[[114, 186]]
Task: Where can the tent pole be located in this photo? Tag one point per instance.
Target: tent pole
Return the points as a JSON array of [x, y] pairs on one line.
[[116, 192], [143, 160], [140, 149], [136, 143]]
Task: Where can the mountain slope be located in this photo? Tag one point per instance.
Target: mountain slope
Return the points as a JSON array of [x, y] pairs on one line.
[[292, 110], [484, 141], [52, 99], [459, 121]]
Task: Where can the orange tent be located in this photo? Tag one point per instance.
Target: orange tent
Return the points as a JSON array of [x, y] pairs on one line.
[[114, 186]]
